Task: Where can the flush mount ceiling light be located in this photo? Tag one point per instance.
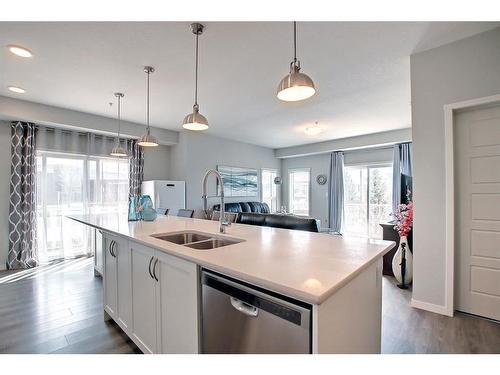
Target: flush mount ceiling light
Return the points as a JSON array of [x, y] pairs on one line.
[[118, 150], [313, 129], [148, 140], [17, 90], [195, 120], [296, 85], [19, 51]]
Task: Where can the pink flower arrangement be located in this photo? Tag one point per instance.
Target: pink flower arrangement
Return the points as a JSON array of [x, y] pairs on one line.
[[404, 219]]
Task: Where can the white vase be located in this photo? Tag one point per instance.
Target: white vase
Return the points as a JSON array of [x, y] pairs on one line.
[[396, 262]]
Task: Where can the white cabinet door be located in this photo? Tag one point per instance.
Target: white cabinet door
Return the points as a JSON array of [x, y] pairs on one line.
[[178, 304], [124, 283], [110, 277], [144, 315]]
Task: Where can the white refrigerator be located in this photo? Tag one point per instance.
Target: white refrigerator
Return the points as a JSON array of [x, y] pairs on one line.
[[165, 195]]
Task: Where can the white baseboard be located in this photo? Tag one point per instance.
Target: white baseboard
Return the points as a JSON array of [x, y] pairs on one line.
[[438, 309], [3, 267]]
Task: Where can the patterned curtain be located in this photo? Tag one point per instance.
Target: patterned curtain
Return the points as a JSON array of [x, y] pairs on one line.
[[23, 251], [336, 191], [136, 167]]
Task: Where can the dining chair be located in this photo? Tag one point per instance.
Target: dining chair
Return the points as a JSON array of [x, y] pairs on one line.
[[231, 216], [162, 211], [185, 213]]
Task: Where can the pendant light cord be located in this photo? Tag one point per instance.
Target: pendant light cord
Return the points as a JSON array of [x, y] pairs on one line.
[[119, 117], [147, 101], [196, 74], [294, 41]]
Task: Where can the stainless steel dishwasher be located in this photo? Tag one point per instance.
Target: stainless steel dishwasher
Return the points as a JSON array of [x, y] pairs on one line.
[[239, 318]]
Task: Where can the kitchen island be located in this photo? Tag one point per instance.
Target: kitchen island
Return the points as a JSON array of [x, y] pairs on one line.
[[152, 287]]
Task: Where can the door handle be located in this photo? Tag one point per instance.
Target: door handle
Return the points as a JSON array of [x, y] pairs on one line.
[[244, 308], [113, 247], [154, 269], [150, 261]]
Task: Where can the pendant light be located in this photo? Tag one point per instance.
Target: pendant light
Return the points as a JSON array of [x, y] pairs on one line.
[[195, 120], [296, 85], [118, 149], [148, 140]]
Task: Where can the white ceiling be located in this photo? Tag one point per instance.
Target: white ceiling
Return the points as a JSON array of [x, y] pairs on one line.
[[361, 71]]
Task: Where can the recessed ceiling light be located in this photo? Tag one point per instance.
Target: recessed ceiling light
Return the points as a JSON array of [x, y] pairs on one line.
[[19, 51], [17, 90], [313, 129]]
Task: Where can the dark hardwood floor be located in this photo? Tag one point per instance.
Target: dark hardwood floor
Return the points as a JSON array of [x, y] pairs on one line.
[[409, 330], [58, 309]]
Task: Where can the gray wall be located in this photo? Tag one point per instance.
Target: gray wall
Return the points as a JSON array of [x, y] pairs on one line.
[[197, 152], [156, 163], [320, 164], [466, 69]]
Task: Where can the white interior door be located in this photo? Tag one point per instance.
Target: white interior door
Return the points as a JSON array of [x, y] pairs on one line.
[[477, 217]]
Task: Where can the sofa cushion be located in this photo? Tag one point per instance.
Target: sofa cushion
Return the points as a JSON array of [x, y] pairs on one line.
[[252, 218], [243, 207], [278, 221], [291, 222]]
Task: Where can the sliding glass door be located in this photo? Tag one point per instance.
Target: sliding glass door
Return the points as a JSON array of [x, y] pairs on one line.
[[367, 199], [69, 184]]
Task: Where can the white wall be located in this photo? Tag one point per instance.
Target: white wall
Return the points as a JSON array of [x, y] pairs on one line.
[[466, 69], [197, 152]]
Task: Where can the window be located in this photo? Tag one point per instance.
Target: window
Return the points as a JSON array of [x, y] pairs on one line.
[[298, 182], [269, 191], [69, 184], [367, 199]]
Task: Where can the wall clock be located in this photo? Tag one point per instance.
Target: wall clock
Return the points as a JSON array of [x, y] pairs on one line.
[[277, 180], [321, 179]]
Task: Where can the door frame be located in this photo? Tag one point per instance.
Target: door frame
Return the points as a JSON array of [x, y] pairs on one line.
[[449, 110]]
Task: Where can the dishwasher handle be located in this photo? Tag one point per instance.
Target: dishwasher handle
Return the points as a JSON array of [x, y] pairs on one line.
[[244, 308]]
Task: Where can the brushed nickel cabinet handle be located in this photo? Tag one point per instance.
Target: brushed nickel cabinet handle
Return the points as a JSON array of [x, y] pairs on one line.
[[154, 269], [150, 261]]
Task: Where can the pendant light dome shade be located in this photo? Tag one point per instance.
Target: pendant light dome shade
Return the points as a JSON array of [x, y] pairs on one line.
[[195, 120], [118, 150], [148, 140], [296, 85]]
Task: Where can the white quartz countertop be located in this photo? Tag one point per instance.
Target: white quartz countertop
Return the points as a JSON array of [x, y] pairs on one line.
[[307, 266]]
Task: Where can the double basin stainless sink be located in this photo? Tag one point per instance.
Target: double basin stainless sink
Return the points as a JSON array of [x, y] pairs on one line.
[[196, 240]]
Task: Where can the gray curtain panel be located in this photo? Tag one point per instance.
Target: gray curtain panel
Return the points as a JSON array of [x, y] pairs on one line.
[[136, 167], [401, 164], [336, 191], [22, 208]]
